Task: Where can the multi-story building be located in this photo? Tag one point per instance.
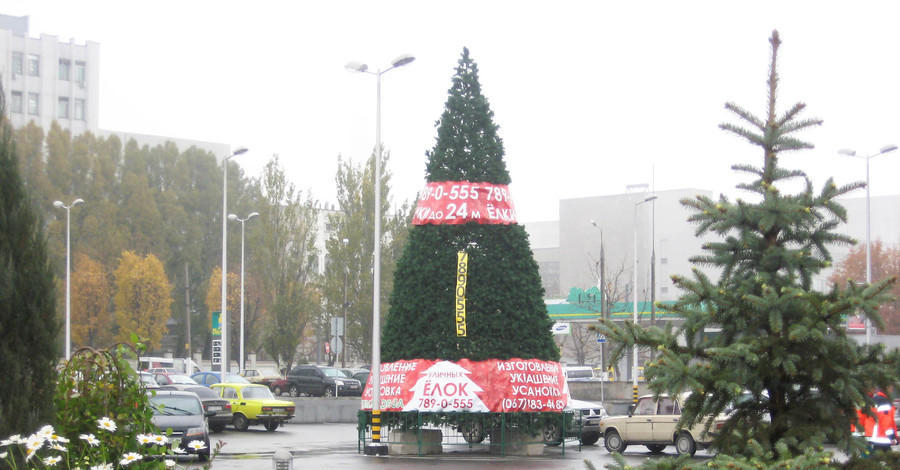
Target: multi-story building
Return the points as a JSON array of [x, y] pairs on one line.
[[45, 79]]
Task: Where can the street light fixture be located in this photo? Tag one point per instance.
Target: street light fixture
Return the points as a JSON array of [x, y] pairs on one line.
[[233, 217], [60, 205], [223, 317], [377, 448], [852, 153], [634, 361]]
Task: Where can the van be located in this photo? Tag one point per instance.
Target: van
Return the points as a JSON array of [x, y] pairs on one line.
[[183, 366], [578, 373]]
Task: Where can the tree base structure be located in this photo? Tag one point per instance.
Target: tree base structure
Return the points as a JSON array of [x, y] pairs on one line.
[[429, 433]]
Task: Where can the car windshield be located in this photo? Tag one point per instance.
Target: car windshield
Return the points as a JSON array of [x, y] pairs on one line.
[[182, 379], [170, 405], [333, 372], [257, 392], [236, 379]]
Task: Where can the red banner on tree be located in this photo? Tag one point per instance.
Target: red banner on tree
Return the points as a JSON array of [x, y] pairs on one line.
[[458, 202], [475, 386]]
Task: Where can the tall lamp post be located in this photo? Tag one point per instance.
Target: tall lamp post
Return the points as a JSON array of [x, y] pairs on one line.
[[233, 217], [376, 447], [223, 316], [60, 205], [344, 308], [852, 153], [634, 361]]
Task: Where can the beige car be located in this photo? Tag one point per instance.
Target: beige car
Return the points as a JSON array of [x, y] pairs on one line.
[[653, 423]]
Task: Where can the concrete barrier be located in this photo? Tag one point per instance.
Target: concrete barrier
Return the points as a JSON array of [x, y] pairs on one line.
[[324, 410]]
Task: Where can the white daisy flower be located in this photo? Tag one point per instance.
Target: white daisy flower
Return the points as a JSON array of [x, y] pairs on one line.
[[34, 442], [14, 439], [106, 424], [170, 463], [102, 466], [90, 439], [58, 447], [197, 445], [159, 439], [3, 455], [144, 439], [52, 461], [129, 457]]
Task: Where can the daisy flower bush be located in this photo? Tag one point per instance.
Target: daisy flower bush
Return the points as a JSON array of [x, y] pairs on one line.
[[45, 450], [103, 420]]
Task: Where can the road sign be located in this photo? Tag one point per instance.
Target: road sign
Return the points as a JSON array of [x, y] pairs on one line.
[[337, 326], [336, 345], [601, 338]]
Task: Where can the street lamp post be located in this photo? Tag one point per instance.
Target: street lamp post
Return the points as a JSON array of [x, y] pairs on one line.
[[60, 205], [634, 361], [377, 448], [223, 316], [344, 308], [852, 153], [233, 217]]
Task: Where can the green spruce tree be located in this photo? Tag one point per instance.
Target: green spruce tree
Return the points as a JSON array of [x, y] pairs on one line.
[[506, 314], [782, 357], [29, 326]]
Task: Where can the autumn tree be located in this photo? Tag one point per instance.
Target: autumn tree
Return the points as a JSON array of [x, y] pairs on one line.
[[351, 261], [780, 361], [92, 318], [885, 264], [143, 298], [505, 309]]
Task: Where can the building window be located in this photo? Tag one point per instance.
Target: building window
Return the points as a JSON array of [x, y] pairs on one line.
[[64, 66], [79, 72], [17, 64], [33, 103], [63, 108], [17, 102], [79, 109], [34, 65]]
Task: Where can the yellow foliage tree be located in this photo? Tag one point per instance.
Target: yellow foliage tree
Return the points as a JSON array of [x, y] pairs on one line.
[[143, 298], [92, 320], [232, 302]]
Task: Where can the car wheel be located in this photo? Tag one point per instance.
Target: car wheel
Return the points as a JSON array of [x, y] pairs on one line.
[[685, 444], [614, 442], [241, 423], [590, 438], [277, 391], [328, 392], [294, 391], [552, 434], [217, 427], [272, 425], [472, 432], [656, 448]]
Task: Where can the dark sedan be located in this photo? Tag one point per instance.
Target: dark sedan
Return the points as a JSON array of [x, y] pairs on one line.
[[182, 413]]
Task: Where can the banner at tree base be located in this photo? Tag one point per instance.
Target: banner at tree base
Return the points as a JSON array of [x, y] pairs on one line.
[[494, 385]]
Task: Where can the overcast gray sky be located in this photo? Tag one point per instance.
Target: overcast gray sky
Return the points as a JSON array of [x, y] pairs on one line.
[[590, 96]]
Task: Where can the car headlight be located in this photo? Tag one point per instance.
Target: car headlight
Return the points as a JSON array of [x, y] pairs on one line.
[[195, 432], [339, 382]]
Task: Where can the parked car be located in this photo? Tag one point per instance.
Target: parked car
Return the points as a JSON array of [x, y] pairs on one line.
[[322, 381], [147, 380], [163, 378], [254, 404], [654, 424], [183, 413], [211, 402], [362, 376], [279, 387], [164, 370], [208, 378], [260, 376]]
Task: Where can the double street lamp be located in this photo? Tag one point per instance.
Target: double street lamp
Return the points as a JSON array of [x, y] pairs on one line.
[[852, 153], [233, 217], [634, 362], [223, 317], [377, 448], [61, 205]]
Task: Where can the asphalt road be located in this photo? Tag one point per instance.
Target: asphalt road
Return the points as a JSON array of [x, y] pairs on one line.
[[335, 446]]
